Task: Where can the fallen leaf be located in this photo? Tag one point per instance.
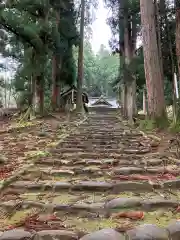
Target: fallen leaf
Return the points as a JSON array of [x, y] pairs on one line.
[[134, 215]]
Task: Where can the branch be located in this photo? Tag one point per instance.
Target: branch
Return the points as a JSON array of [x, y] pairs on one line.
[[19, 30]]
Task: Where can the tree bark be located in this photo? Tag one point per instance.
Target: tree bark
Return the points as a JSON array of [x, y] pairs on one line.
[[130, 83], [158, 21], [55, 70], [144, 101], [40, 94], [177, 5], [33, 95], [79, 103], [54, 83], [154, 81]]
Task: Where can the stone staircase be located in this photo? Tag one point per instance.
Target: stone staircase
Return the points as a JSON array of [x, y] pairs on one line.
[[105, 179]]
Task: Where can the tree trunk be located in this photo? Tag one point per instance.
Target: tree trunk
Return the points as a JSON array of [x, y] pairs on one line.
[[54, 82], [154, 81], [55, 69], [158, 21], [163, 11], [33, 95], [135, 111], [79, 103], [144, 101], [123, 100], [40, 94], [177, 5], [129, 80]]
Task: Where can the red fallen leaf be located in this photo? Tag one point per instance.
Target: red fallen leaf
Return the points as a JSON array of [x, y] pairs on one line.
[[10, 227], [52, 217], [140, 177], [122, 177], [135, 215]]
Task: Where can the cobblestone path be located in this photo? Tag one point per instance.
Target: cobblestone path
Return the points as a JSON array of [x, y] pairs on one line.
[[104, 176]]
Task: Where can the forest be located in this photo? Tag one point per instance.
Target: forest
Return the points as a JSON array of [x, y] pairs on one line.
[[50, 43]]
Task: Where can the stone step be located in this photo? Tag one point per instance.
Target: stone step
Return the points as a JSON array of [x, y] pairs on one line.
[[87, 150], [84, 140], [93, 134], [103, 137], [88, 145], [96, 186], [104, 207], [101, 130], [107, 162], [100, 171], [99, 154], [148, 231], [107, 171]]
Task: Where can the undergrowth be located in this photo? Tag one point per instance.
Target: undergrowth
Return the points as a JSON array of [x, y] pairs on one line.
[[149, 124], [175, 127]]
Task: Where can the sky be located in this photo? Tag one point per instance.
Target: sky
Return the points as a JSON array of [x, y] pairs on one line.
[[101, 31]]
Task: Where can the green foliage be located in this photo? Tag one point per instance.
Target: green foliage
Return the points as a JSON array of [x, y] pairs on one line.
[[147, 125], [174, 128], [68, 71], [36, 32], [100, 70], [34, 36]]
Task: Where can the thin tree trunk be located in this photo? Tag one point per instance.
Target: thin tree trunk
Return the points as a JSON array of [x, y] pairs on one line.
[[122, 57], [33, 99], [129, 94], [40, 94], [177, 5], [154, 81], [79, 103], [163, 8], [33, 95], [54, 82], [130, 35], [55, 63]]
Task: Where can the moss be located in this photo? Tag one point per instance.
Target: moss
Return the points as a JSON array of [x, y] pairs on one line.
[[161, 218], [175, 127], [161, 122], [34, 154], [29, 196], [64, 198], [90, 225], [17, 217], [151, 124], [147, 125]]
